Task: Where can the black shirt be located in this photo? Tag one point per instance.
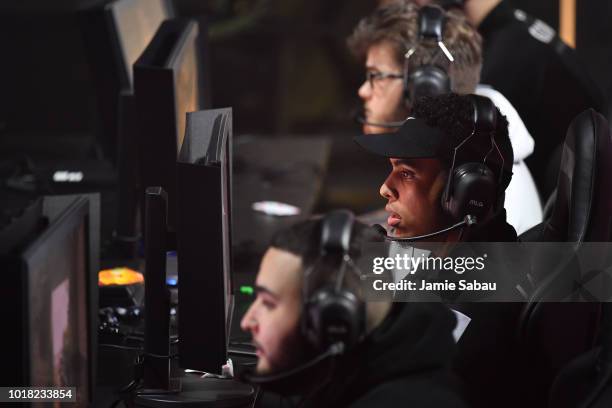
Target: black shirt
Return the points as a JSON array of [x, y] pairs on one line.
[[402, 363], [525, 60]]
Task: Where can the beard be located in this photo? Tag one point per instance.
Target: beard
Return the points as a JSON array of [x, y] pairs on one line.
[[295, 351]]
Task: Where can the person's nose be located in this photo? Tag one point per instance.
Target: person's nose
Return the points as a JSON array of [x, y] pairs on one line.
[[249, 322], [387, 190], [365, 90]]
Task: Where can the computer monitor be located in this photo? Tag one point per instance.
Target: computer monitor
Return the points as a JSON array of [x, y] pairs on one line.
[[46, 297], [203, 237], [166, 85], [115, 35]]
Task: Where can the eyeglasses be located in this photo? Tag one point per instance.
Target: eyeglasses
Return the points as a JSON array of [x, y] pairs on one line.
[[374, 77]]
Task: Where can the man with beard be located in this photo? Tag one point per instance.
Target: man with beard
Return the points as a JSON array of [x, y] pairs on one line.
[[318, 339]]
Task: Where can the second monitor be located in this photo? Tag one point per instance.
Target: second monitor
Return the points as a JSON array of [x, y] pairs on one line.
[[204, 237], [167, 86]]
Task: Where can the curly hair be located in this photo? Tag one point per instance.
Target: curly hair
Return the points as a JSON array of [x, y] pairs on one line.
[[397, 24], [453, 114]]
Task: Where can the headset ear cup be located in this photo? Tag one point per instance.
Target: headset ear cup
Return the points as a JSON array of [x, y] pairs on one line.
[[333, 316], [426, 80], [332, 313], [307, 324], [473, 191]]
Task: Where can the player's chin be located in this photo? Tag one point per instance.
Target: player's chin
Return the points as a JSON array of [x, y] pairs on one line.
[[401, 232], [263, 366], [375, 130]]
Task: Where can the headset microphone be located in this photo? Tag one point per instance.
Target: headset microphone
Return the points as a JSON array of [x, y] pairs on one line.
[[360, 118], [468, 221], [258, 379]]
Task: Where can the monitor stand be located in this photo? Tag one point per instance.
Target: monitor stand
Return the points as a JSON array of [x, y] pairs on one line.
[[200, 392]]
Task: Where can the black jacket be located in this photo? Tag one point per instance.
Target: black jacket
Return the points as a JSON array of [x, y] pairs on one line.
[[402, 363], [489, 360], [541, 76]]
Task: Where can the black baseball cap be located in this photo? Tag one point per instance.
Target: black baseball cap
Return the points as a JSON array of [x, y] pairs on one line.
[[415, 139]]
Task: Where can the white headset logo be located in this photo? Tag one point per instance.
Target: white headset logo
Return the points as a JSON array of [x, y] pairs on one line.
[[476, 203]]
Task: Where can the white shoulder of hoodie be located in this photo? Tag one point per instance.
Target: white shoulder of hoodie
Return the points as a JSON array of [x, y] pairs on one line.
[[520, 138]]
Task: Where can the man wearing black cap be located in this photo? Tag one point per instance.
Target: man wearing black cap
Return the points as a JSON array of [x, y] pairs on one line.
[[421, 154], [403, 62], [418, 191]]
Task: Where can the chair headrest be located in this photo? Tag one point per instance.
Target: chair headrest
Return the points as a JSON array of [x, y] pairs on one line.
[[583, 207]]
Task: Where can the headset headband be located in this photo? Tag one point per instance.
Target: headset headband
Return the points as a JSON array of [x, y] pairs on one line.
[[431, 23], [428, 79], [336, 232]]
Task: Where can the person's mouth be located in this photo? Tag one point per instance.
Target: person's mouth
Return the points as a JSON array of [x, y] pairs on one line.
[[394, 219], [258, 349]]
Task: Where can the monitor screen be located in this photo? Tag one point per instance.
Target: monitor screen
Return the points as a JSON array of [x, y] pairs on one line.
[[57, 308], [184, 64], [135, 22]]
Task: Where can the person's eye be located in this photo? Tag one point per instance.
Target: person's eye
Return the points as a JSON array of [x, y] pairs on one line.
[[268, 304], [407, 174]]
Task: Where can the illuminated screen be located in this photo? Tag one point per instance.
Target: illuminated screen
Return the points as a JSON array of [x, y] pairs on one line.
[[136, 23], [185, 64], [58, 310]]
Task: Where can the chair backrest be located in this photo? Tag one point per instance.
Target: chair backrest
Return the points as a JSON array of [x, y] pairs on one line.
[[582, 209], [558, 332], [586, 381], [584, 191]]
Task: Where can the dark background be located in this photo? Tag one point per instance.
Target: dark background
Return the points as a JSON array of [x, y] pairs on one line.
[[281, 64]]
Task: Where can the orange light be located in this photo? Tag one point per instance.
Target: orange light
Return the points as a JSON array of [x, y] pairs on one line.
[[119, 276], [567, 22]]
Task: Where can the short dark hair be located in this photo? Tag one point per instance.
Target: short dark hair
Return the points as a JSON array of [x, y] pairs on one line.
[[453, 114], [303, 239]]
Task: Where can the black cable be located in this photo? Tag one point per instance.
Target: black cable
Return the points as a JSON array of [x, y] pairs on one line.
[[129, 387], [320, 386], [257, 394], [116, 403], [461, 234], [117, 346], [120, 347], [160, 355]]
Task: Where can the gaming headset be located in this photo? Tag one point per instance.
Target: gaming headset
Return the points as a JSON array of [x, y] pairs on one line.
[[427, 79], [450, 4], [472, 187], [471, 190], [332, 314], [333, 317]]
